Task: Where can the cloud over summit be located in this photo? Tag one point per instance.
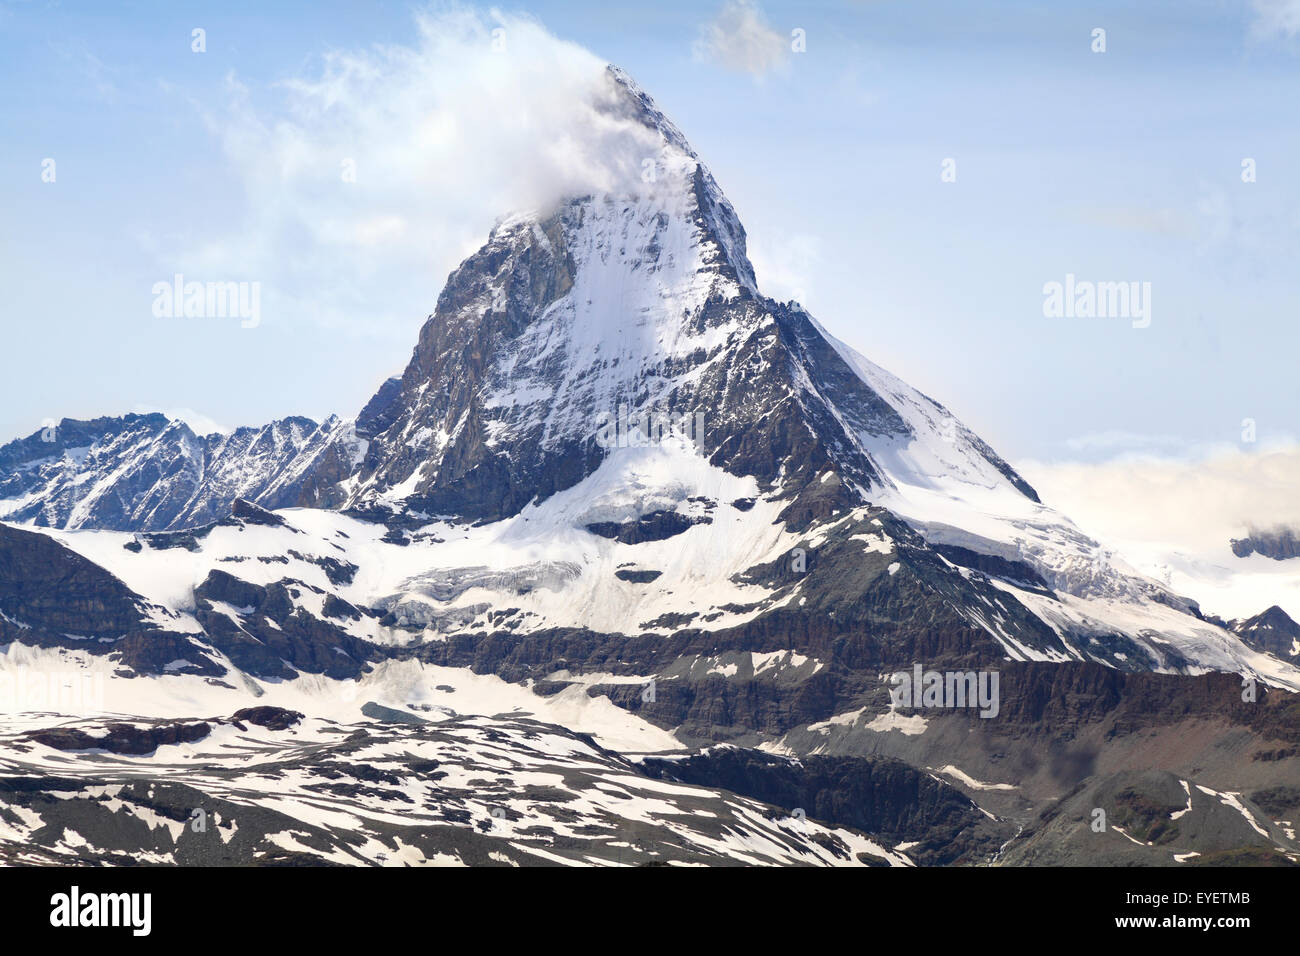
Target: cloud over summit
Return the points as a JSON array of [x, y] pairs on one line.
[[369, 176]]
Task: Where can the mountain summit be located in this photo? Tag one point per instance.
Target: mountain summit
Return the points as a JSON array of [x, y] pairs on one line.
[[639, 307]]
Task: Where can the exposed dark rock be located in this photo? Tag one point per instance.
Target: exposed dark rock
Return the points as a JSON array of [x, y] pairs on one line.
[[1016, 572], [162, 476], [339, 573], [53, 597], [250, 513], [383, 407], [272, 718], [1278, 802], [1280, 544], [294, 641], [642, 576], [879, 796], [1272, 632], [121, 738], [655, 526], [389, 714], [1127, 819]]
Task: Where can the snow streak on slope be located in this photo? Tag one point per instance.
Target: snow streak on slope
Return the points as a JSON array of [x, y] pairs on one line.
[[638, 269]]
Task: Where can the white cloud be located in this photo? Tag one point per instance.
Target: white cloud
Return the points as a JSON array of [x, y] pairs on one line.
[[1190, 504], [784, 264], [1116, 441], [1275, 18], [741, 39], [1173, 519], [199, 423], [366, 179], [1161, 222]]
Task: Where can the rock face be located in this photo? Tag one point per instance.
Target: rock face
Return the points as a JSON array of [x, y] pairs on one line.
[[1154, 818], [270, 636], [51, 597], [1279, 544]]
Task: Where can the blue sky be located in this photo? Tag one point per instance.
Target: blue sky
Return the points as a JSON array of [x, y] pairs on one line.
[[1115, 166]]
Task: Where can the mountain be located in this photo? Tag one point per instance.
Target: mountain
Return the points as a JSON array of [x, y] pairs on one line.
[[553, 352], [1270, 632], [619, 490], [153, 473], [641, 308]]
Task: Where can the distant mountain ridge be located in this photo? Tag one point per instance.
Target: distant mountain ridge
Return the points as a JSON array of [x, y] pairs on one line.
[[154, 473]]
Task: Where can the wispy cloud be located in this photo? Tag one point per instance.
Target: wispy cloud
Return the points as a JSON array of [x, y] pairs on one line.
[[1116, 442], [199, 423], [741, 39], [1275, 18], [368, 177], [784, 264], [1153, 220], [99, 77]]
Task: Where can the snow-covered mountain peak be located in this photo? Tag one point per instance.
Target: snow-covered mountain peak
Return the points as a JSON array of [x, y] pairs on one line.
[[651, 164], [627, 100], [602, 392], [678, 164]]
